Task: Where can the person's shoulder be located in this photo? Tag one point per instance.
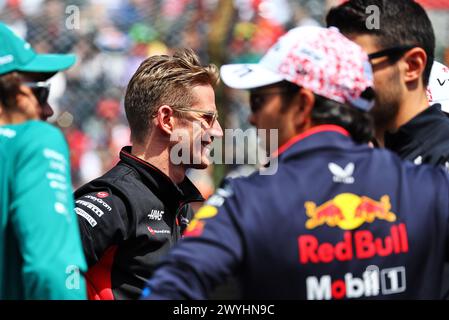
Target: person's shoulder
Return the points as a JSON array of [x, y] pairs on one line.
[[8, 136], [103, 195], [441, 118], [31, 137], [34, 126], [252, 185], [43, 130], [436, 144], [31, 133], [118, 176], [112, 187]]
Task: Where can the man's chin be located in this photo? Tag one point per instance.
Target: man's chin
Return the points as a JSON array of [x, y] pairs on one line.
[[199, 166], [202, 164], [383, 119]]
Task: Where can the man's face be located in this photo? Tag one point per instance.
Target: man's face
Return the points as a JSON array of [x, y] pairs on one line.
[[267, 113], [387, 83], [33, 104], [201, 125]]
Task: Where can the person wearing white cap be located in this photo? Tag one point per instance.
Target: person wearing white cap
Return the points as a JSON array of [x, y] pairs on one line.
[[438, 88], [338, 217]]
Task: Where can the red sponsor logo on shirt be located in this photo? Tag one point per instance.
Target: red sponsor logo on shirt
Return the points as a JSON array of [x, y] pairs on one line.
[[151, 230], [361, 244], [102, 194]]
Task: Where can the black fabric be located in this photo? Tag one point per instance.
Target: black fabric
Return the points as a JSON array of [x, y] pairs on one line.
[[425, 136], [140, 210]]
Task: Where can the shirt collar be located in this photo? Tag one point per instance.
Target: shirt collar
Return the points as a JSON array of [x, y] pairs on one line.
[[159, 182], [329, 134], [417, 130]]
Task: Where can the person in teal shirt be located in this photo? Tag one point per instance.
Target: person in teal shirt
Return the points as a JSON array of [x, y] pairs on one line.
[[41, 256]]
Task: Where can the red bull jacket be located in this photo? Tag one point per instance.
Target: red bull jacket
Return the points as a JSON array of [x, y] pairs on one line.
[[337, 220]]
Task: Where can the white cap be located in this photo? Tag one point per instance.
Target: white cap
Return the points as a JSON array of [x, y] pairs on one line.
[[319, 59], [438, 88]]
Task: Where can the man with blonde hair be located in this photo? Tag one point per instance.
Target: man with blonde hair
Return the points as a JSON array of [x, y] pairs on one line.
[[131, 216]]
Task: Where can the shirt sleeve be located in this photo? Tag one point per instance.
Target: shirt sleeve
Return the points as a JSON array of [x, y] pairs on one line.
[[103, 222], [43, 220], [210, 251]]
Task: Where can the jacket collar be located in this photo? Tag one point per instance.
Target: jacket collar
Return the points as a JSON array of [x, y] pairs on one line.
[[416, 131], [327, 136], [159, 182]]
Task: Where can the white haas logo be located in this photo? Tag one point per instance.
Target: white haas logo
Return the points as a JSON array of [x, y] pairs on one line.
[[155, 214], [342, 175]]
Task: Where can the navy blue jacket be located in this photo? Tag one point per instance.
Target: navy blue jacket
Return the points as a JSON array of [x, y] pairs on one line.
[[338, 220]]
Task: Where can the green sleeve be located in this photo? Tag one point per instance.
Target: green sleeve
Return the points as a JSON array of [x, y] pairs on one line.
[[43, 217]]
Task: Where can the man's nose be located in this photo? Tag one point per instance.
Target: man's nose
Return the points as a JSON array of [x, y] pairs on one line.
[[216, 130], [47, 111], [252, 119]]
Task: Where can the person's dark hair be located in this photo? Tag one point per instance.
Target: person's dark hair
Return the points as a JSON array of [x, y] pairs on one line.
[[402, 23], [358, 123], [9, 89]]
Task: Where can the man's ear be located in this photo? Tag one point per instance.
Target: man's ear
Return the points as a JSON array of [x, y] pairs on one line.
[[304, 106], [24, 97], [165, 120], [415, 64]]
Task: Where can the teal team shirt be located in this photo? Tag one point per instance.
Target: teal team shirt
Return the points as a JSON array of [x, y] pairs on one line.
[[41, 255]]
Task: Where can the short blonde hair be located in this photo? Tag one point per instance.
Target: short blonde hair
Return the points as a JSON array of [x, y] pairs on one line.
[[163, 80]]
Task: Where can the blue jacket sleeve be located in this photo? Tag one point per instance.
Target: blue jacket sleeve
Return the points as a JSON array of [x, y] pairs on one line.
[[210, 251]]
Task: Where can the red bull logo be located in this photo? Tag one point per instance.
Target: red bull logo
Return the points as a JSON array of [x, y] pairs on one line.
[[194, 229], [196, 226], [360, 244], [348, 211]]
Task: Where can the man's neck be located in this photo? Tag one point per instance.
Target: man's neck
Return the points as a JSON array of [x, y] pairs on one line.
[[11, 118], [413, 103], [158, 155]]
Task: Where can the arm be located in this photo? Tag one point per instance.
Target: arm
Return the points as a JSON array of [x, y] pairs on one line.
[[210, 251], [43, 219], [103, 222]]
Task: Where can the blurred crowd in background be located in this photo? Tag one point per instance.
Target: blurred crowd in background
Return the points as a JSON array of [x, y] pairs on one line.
[[114, 36]]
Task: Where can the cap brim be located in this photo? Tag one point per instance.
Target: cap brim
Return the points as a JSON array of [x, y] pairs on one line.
[[248, 76], [49, 63]]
